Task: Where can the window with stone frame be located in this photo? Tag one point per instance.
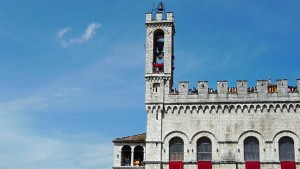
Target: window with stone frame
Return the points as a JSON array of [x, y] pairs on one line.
[[286, 149], [176, 149], [156, 87], [251, 149], [204, 149]]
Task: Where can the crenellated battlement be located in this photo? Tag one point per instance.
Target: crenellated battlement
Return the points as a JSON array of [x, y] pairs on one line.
[[281, 87], [159, 17], [264, 91]]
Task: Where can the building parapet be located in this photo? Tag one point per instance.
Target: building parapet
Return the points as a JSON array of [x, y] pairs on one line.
[[262, 87], [158, 17], [263, 91]]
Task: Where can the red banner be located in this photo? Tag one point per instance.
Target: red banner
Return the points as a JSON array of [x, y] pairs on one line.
[[252, 165], [288, 164], [175, 165], [204, 165]]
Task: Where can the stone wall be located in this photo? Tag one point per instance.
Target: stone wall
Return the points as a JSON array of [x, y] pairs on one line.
[[117, 156]]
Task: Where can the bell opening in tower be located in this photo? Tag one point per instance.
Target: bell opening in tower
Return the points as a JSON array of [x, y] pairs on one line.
[[158, 52]]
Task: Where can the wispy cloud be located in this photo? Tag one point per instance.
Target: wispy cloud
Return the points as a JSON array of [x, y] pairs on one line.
[[62, 32], [33, 102], [88, 34], [22, 146]]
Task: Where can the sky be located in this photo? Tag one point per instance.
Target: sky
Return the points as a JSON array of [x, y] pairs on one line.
[[72, 71]]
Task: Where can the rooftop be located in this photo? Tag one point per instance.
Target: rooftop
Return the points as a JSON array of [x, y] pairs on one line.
[[138, 138]]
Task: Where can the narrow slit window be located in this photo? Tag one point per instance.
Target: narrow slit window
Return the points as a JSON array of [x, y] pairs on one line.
[[156, 87]]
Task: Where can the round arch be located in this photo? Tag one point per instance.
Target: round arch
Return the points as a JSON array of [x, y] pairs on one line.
[[282, 134], [176, 149], [204, 134], [286, 149], [251, 149], [261, 141], [126, 155], [166, 143], [204, 149], [138, 155]]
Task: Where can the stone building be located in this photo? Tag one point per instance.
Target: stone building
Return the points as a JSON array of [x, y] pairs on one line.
[[238, 127]]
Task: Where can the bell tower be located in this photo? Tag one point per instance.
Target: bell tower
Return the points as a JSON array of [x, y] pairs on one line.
[[160, 31]]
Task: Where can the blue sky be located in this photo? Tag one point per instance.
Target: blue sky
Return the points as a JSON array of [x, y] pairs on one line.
[[72, 71]]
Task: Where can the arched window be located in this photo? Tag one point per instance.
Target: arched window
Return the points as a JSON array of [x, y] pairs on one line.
[[176, 149], [251, 149], [138, 155], [126, 156], [158, 51], [204, 149], [286, 149]]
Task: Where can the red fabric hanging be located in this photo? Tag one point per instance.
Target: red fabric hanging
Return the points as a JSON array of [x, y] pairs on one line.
[[175, 165], [204, 165], [252, 165], [288, 164]]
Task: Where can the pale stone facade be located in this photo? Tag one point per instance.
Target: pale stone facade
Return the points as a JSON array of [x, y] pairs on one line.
[[128, 150], [226, 116]]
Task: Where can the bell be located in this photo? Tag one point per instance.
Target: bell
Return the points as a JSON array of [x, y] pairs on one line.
[[160, 46], [160, 56], [160, 6]]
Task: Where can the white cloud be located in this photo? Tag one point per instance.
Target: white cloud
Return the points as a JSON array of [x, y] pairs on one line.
[[89, 32], [62, 32]]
